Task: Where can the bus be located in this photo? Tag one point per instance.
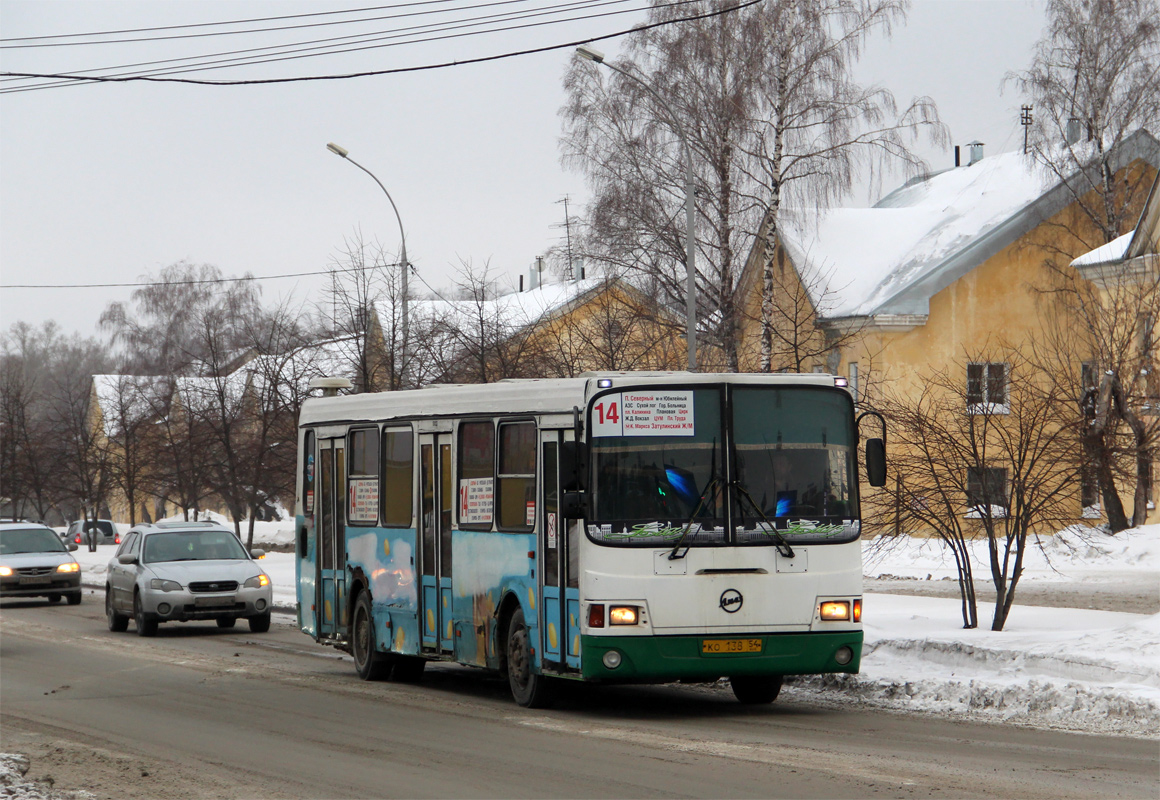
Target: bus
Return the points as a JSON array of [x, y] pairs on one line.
[[626, 527]]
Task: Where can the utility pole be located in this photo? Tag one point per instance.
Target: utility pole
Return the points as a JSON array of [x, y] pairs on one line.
[[568, 273], [1025, 121]]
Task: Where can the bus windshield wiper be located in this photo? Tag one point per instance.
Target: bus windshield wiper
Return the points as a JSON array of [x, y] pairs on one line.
[[678, 552], [783, 546]]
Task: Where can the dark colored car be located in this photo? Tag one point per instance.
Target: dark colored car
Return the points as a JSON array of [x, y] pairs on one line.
[[34, 562]]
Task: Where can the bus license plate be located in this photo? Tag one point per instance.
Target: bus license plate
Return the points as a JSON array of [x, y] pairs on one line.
[[713, 647]]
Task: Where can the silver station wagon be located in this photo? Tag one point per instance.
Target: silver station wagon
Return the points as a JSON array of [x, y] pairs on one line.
[[182, 571], [34, 562]]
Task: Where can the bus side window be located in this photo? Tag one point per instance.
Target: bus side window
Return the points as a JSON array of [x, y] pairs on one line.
[[476, 475], [363, 470], [516, 479], [307, 489], [398, 468]]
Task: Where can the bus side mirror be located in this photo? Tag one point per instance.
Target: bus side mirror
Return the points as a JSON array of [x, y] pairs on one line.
[[574, 505], [573, 467], [876, 462]]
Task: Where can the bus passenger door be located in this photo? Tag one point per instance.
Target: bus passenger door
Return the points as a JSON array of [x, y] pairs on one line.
[[435, 489], [331, 541], [558, 550], [551, 545]]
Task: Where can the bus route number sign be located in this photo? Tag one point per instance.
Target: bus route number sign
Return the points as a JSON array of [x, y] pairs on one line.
[[643, 413]]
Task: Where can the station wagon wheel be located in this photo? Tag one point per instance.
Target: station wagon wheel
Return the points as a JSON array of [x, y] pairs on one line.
[[145, 626], [370, 664], [226, 622], [260, 623], [756, 689], [118, 623], [528, 689]]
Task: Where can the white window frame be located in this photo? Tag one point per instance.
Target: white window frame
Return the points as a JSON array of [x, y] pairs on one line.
[[988, 406]]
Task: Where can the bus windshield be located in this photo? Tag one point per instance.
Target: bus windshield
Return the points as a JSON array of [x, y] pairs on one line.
[[653, 483], [795, 461], [662, 473]]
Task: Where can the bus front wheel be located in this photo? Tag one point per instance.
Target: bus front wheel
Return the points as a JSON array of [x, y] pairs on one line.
[[756, 689], [529, 689]]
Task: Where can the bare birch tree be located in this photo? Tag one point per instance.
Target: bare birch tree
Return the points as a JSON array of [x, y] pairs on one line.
[[765, 96], [1094, 80]]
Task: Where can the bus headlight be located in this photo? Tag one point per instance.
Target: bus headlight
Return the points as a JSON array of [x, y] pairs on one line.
[[623, 615], [835, 610]]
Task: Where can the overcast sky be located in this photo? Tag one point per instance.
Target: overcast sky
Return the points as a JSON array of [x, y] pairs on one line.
[[108, 183]]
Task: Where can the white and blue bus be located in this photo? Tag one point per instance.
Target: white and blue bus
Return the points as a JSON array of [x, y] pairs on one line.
[[615, 527]]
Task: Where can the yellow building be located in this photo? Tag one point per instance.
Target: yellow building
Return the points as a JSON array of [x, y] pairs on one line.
[[951, 271]]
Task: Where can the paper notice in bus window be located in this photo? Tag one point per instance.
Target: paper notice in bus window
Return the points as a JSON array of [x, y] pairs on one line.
[[643, 414], [530, 517], [551, 526], [657, 413], [475, 500], [364, 500]]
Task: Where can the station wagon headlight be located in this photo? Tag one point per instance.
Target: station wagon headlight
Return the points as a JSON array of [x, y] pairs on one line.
[[258, 581], [5, 571], [71, 566], [164, 585]]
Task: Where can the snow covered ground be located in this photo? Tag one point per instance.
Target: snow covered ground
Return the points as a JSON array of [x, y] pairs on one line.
[[1062, 667]]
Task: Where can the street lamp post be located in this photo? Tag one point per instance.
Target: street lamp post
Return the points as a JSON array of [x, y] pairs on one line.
[[344, 153], [584, 51]]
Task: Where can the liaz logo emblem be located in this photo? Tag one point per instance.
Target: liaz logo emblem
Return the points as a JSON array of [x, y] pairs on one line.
[[731, 601]]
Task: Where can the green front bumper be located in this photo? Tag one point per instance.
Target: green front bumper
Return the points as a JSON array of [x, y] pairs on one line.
[[663, 658]]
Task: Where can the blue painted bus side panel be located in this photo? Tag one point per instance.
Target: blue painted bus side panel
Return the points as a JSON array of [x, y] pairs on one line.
[[304, 570], [553, 636], [487, 566], [386, 558], [429, 622], [572, 598]]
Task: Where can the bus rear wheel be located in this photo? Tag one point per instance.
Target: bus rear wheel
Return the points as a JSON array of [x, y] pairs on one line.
[[529, 689], [756, 689], [370, 664]]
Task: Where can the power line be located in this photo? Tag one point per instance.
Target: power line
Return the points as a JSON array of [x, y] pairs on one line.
[[209, 24], [285, 27], [79, 79], [193, 282], [336, 45]]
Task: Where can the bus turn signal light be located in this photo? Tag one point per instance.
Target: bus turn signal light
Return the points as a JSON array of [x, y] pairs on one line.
[[835, 610], [858, 610], [596, 616], [622, 615]]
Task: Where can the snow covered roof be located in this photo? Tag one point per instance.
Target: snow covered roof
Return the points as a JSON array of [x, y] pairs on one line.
[[1142, 240], [1112, 251], [892, 258], [513, 311], [133, 396]]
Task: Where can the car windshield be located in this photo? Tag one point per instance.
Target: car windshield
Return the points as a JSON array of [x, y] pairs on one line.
[[30, 540], [192, 546]]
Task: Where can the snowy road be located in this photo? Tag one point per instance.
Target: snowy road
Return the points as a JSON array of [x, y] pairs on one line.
[[197, 712]]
